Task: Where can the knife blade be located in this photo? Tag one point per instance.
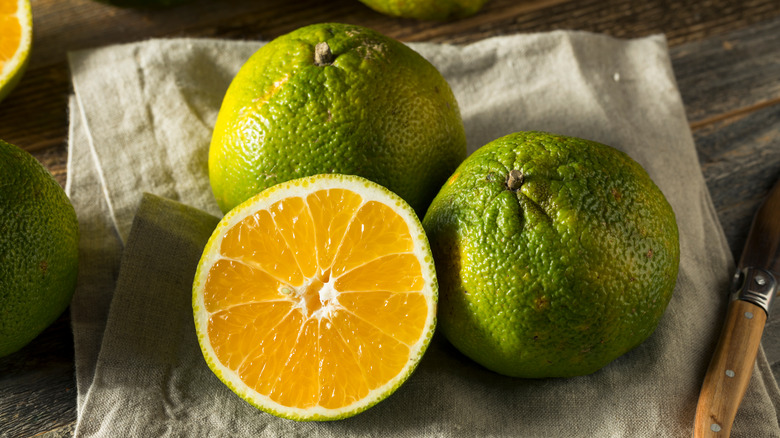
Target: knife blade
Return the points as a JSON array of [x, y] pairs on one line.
[[755, 285]]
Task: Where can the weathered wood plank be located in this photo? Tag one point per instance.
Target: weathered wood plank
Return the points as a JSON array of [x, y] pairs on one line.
[[729, 74], [730, 85], [37, 384], [34, 116], [740, 159], [64, 431]]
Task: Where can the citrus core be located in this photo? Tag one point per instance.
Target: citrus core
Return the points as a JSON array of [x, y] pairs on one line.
[[555, 255]]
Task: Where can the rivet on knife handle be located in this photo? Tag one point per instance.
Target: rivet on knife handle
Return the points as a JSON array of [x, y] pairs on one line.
[[731, 367]]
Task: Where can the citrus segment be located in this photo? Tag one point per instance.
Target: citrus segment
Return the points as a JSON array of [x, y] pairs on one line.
[[15, 41], [331, 211], [257, 242], [316, 298], [231, 283], [399, 272]]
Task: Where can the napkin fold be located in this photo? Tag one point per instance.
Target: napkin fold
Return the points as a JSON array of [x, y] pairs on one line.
[[141, 120]]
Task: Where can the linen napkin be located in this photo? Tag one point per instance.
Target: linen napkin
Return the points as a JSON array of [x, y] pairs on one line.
[[141, 120]]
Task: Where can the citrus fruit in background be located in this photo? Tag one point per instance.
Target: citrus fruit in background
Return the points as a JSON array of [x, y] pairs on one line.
[[143, 3], [555, 255], [15, 41], [336, 98], [38, 249], [426, 9], [316, 299]]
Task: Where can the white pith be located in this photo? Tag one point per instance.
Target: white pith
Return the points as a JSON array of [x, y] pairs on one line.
[[327, 294]]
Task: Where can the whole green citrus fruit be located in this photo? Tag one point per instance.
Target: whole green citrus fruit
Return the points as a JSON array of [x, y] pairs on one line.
[[426, 9], [555, 255], [38, 249], [335, 98]]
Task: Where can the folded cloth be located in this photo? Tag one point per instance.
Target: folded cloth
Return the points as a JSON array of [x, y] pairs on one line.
[[141, 120]]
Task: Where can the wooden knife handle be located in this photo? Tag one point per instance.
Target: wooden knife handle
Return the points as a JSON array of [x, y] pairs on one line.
[[729, 372]]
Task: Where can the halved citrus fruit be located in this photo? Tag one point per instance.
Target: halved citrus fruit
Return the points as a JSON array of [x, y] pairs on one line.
[[315, 299], [15, 41]]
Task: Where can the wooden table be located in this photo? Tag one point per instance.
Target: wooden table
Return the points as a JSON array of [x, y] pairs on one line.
[[725, 53]]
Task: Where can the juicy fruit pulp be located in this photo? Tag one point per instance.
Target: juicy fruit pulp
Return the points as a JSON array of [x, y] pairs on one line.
[[362, 104], [316, 298], [15, 40], [555, 255], [38, 249], [426, 9]]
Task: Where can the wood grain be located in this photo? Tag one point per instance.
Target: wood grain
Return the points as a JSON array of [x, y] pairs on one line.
[[724, 76], [729, 85], [34, 116], [730, 370], [740, 160], [37, 384]]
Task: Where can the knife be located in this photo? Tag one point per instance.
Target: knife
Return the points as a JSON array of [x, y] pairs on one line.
[[755, 285]]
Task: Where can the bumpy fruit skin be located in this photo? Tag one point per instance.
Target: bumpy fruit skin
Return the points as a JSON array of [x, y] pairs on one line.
[[374, 108], [556, 273], [426, 9], [38, 249]]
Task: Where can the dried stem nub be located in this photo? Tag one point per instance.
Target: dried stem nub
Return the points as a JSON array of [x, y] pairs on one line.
[[514, 180], [322, 54]]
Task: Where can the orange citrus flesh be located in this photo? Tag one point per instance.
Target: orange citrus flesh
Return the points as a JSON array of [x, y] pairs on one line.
[[10, 30], [15, 41], [316, 300]]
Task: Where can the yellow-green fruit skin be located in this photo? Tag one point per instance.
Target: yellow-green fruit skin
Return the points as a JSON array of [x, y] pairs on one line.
[[14, 80], [426, 9], [377, 110], [143, 3], [38, 249], [563, 274]]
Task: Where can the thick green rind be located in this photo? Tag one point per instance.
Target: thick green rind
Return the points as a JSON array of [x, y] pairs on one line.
[[569, 254], [38, 249], [203, 266]]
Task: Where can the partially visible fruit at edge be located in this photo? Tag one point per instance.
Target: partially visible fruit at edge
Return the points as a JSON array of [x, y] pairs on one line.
[[427, 9], [38, 249]]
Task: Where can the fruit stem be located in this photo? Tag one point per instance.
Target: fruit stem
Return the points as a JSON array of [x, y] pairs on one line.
[[514, 180], [322, 54]]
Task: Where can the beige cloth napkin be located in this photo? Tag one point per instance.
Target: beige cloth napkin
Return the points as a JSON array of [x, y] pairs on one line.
[[141, 120]]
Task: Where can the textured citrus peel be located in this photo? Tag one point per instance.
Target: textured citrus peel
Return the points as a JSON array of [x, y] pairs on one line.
[[348, 352]]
